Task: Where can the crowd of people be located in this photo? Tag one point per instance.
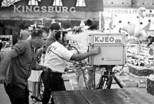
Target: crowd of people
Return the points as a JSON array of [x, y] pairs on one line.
[[24, 56]]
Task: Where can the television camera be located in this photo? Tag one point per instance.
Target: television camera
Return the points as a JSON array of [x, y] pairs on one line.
[[113, 52]]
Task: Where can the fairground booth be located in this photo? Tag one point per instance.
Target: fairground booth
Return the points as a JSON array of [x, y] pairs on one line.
[[68, 12], [125, 59]]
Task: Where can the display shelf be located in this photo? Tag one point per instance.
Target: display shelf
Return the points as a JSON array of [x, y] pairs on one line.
[[140, 63], [150, 86], [140, 70], [5, 36], [139, 58]]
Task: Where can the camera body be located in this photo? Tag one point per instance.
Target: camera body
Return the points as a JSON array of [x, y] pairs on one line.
[[113, 50]]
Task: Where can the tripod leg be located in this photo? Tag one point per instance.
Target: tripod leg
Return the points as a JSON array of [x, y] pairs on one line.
[[109, 82], [118, 82], [91, 78], [101, 82]]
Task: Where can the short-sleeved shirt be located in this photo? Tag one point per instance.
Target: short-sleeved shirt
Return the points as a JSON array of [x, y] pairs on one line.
[[56, 57], [19, 69], [24, 34], [81, 39]]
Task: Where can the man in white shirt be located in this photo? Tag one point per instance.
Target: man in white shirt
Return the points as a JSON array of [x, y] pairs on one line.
[[82, 46], [55, 59]]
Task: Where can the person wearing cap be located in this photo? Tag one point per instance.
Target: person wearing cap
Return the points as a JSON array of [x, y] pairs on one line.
[[56, 57], [17, 65]]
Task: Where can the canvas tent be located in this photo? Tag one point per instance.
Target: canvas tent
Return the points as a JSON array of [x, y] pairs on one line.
[[149, 28], [133, 30], [130, 28]]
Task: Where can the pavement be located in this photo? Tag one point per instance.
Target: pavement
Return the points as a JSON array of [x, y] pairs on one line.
[[4, 99], [70, 83]]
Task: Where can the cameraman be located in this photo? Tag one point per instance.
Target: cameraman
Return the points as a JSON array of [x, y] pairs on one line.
[[89, 27], [56, 58]]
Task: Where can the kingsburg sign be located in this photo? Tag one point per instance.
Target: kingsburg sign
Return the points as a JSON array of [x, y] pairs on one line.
[[49, 6], [44, 9], [33, 6]]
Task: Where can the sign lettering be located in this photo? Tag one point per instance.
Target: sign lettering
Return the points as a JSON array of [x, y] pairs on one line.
[[51, 48], [149, 15], [107, 39], [121, 11], [113, 59], [33, 6], [126, 11], [26, 9]]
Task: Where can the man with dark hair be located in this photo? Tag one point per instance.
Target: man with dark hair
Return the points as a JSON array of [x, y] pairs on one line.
[[16, 67], [56, 58], [93, 24], [54, 26], [23, 26], [24, 33]]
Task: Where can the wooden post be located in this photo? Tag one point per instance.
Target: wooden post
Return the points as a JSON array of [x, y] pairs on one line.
[[100, 20]]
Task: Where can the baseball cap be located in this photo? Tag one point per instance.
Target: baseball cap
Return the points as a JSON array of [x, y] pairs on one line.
[[54, 26], [91, 24]]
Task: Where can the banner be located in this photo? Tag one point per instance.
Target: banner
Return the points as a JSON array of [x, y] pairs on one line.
[[22, 6]]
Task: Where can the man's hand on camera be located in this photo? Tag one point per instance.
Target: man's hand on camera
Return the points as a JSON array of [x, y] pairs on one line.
[[96, 51]]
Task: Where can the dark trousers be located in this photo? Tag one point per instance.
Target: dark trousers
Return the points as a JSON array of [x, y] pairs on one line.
[[52, 82], [17, 94]]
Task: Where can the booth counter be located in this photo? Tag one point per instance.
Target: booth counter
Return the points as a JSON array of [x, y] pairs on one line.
[[140, 62], [140, 70], [101, 96]]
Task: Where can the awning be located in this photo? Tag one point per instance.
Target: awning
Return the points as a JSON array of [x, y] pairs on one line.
[[20, 9], [130, 28], [81, 5]]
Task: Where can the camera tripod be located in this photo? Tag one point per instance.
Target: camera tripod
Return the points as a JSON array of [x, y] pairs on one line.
[[106, 79]]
